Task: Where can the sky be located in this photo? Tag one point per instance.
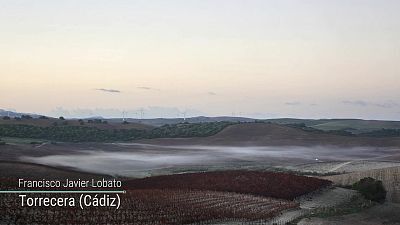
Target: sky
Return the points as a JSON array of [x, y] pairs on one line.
[[263, 59]]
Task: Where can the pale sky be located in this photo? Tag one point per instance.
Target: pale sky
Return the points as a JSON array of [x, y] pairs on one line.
[[299, 58]]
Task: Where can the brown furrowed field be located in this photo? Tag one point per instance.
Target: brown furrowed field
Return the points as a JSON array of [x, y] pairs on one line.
[[245, 201], [268, 184], [154, 207]]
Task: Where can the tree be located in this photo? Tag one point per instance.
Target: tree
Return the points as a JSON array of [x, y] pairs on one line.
[[61, 118], [6, 118], [371, 189], [28, 117], [97, 121], [43, 118]]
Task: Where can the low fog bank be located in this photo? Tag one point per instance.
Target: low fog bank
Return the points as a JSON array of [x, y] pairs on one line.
[[134, 158]]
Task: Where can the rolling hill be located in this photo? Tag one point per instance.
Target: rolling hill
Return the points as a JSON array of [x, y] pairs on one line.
[[270, 134], [97, 123], [355, 126]]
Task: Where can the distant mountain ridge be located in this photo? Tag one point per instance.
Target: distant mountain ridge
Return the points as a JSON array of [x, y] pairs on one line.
[[355, 126], [16, 114], [199, 119]]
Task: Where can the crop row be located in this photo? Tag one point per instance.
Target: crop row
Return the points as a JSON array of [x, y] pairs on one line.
[[152, 207], [267, 184]]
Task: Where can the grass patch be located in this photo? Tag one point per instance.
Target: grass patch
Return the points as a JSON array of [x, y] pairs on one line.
[[355, 205], [14, 140]]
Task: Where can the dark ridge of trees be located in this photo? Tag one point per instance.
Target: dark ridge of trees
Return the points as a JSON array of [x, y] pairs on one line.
[[188, 130], [97, 121], [6, 118], [64, 132], [382, 133], [345, 132], [304, 127], [27, 117], [69, 133], [341, 132], [43, 117]]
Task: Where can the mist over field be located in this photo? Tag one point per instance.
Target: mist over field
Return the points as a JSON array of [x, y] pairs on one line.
[[143, 157]]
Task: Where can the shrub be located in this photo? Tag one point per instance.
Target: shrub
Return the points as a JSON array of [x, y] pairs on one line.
[[61, 118], [28, 117], [382, 133], [371, 189]]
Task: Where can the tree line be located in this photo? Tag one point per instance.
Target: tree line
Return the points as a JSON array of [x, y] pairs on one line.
[[384, 132], [93, 134]]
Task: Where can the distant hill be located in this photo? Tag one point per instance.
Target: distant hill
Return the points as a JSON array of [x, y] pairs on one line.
[[352, 125], [16, 114], [355, 126], [270, 134], [97, 123]]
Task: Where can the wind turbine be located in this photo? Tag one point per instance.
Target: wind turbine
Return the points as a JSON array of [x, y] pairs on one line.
[[184, 113], [141, 113], [123, 116]]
